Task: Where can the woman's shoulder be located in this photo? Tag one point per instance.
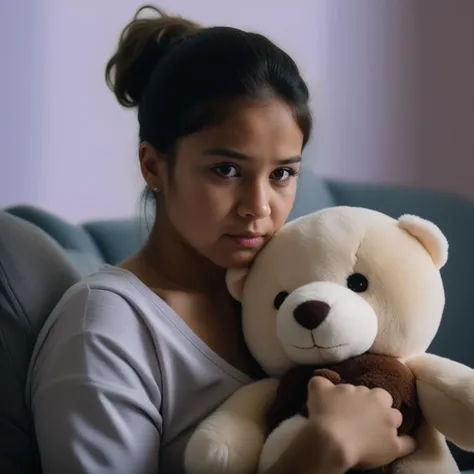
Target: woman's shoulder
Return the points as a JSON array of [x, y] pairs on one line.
[[109, 301], [111, 285], [112, 279], [97, 329]]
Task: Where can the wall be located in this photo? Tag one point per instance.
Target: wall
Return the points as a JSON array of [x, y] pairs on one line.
[[19, 111], [446, 105], [367, 91], [397, 95], [70, 148], [391, 83]]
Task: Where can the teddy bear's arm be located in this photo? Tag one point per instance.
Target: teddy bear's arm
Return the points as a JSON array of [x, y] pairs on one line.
[[446, 396], [230, 440], [329, 374]]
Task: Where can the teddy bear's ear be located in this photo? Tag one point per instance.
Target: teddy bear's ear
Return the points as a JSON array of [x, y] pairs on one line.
[[430, 236], [235, 279]]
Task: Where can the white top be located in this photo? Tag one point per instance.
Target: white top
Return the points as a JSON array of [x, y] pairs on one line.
[[118, 381]]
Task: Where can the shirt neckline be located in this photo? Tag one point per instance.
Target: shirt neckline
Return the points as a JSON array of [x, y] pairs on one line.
[[181, 325]]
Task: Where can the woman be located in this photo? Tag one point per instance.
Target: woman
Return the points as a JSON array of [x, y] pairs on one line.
[[134, 356]]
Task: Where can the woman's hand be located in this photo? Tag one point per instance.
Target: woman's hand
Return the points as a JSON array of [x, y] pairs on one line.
[[349, 427], [359, 425]]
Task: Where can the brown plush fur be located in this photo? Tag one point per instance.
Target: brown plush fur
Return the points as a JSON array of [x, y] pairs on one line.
[[369, 370]]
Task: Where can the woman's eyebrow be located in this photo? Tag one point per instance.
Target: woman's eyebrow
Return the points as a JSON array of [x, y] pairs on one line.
[[242, 156]]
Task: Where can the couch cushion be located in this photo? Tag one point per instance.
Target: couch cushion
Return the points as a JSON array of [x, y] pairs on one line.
[[117, 239], [34, 274], [313, 194], [78, 244]]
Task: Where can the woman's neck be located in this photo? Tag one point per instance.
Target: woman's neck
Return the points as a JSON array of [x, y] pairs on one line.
[[178, 265]]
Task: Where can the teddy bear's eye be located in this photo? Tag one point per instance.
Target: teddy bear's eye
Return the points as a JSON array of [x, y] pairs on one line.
[[357, 283], [278, 301]]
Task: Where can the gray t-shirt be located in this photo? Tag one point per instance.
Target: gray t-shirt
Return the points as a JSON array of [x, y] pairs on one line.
[[118, 380]]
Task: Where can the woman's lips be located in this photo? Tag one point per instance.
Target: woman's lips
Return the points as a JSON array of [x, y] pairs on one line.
[[247, 240]]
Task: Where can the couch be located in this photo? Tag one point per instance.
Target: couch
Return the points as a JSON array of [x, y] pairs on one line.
[[41, 255]]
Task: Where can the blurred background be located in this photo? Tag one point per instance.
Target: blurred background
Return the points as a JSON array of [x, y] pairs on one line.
[[392, 85]]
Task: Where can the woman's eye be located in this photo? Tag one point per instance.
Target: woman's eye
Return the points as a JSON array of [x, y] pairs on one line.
[[283, 174], [226, 171]]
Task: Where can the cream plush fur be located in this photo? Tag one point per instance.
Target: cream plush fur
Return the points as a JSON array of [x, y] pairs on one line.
[[399, 314]]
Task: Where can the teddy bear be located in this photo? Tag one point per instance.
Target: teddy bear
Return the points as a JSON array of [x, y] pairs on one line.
[[356, 296]]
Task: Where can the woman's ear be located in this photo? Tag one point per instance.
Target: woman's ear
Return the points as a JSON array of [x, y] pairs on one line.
[[153, 167], [235, 279]]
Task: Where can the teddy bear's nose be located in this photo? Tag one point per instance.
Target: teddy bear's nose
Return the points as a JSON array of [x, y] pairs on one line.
[[311, 314]]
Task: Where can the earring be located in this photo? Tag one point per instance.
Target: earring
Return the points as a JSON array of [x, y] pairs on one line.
[[155, 189]]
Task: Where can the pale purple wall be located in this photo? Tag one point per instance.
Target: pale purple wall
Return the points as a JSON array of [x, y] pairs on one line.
[[446, 121], [391, 83], [367, 91], [20, 78], [70, 148]]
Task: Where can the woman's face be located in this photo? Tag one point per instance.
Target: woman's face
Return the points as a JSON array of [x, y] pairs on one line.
[[233, 185]]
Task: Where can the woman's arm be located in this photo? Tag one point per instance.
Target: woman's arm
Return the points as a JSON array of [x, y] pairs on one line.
[[300, 458], [95, 394]]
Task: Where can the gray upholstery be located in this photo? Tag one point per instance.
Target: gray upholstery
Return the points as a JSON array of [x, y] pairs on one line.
[[117, 239], [92, 244], [34, 273]]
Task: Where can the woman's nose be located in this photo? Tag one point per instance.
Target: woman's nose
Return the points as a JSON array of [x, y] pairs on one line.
[[254, 202]]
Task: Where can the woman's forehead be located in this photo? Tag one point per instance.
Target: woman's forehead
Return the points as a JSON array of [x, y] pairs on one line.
[[250, 126]]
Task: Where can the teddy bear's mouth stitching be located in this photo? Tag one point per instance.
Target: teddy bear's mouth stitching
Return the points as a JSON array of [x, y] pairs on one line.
[[319, 347]]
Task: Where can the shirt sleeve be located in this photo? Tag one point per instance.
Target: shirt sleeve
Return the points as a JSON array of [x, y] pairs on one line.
[[95, 394]]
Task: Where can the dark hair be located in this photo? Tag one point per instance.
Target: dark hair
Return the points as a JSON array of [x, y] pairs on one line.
[[182, 76]]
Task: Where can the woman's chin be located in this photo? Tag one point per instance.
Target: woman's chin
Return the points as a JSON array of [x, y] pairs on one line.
[[236, 259]]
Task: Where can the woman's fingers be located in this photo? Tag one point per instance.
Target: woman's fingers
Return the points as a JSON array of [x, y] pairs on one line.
[[407, 445], [319, 383], [383, 396]]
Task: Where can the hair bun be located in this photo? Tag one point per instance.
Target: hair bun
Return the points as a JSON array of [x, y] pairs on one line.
[[143, 42]]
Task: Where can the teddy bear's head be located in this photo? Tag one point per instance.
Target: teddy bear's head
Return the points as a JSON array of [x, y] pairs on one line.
[[340, 282]]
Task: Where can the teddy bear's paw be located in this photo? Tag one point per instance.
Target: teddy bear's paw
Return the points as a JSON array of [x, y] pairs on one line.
[[279, 440], [235, 450], [205, 455]]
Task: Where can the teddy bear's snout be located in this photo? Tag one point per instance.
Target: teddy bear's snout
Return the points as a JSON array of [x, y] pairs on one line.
[[311, 314], [325, 322]]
